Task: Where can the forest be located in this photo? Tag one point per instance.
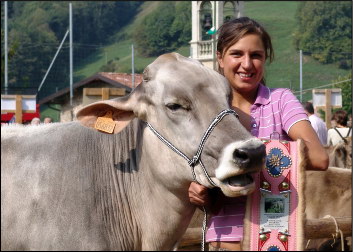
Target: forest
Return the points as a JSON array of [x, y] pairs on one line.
[[36, 28]]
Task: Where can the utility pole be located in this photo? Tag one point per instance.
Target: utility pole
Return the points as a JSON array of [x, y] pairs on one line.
[[52, 62], [132, 67], [6, 49], [301, 74], [71, 58], [214, 35]]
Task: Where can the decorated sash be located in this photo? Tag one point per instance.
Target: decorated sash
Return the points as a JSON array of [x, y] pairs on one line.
[[274, 219]]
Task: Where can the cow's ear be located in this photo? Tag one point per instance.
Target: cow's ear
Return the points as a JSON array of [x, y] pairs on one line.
[[112, 116]]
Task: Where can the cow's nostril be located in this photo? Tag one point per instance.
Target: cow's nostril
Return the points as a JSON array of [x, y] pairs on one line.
[[241, 155]]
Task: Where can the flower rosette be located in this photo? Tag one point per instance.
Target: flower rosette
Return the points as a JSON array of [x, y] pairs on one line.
[[276, 162]]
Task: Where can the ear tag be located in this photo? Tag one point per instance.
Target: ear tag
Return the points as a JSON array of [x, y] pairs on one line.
[[105, 123]]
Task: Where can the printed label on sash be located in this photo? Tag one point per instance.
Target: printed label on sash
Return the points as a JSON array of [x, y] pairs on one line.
[[275, 212]]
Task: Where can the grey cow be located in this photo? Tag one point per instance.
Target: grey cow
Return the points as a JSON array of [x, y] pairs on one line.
[[65, 186]]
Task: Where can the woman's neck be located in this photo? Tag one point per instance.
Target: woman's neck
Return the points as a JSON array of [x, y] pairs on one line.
[[243, 101]]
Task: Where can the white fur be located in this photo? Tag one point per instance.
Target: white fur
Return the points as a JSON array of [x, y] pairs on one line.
[[227, 168]]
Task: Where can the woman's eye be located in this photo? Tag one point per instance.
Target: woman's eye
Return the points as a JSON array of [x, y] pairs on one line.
[[174, 106], [257, 56]]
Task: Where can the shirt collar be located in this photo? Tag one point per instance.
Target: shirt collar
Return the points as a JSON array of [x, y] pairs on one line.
[[263, 95]]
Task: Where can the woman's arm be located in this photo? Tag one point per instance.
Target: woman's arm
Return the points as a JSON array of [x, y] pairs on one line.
[[318, 158]]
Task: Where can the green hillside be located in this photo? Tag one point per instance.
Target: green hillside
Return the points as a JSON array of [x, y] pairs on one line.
[[121, 50], [279, 19]]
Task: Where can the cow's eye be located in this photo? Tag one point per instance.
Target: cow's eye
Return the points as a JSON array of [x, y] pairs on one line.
[[174, 106]]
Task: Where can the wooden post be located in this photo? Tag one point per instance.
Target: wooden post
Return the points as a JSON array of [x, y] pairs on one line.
[[325, 227], [191, 237], [314, 229], [328, 108], [105, 93], [18, 113], [327, 99], [18, 104]]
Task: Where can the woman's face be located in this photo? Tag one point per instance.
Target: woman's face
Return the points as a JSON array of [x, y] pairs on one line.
[[243, 63]]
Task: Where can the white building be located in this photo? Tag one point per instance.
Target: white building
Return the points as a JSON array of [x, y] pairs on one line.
[[203, 14]]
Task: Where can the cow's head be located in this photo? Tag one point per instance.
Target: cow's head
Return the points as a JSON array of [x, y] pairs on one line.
[[340, 155], [180, 97]]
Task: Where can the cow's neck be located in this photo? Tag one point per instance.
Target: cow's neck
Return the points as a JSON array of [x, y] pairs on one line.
[[165, 208], [150, 184]]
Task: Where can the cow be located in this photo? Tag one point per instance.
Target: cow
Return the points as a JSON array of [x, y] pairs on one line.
[[340, 155], [328, 193], [117, 178]]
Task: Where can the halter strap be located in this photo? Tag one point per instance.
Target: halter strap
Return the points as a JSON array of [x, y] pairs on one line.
[[196, 158]]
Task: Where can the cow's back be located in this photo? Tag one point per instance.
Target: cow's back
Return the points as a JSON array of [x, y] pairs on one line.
[[46, 189], [328, 193]]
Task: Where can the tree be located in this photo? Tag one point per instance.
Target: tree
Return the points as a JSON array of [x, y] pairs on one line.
[[180, 30], [152, 35], [36, 28], [325, 31], [164, 31]]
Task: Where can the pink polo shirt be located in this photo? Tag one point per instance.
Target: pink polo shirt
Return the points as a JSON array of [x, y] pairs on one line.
[[274, 110]]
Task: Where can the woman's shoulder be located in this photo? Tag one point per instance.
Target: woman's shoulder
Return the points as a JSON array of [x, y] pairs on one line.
[[344, 129], [280, 91], [341, 130], [331, 131], [282, 95]]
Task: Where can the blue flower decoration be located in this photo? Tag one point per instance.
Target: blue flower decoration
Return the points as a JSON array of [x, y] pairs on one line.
[[273, 248], [276, 162]]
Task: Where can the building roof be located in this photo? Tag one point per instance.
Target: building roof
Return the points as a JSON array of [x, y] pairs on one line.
[[119, 80]]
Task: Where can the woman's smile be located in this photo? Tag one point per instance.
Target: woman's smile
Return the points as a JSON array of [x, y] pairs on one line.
[[243, 63]]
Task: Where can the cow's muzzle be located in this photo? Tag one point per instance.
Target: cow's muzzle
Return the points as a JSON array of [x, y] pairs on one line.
[[247, 158], [239, 161]]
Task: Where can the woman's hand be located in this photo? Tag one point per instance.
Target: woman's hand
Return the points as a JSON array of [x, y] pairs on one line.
[[211, 199], [198, 195]]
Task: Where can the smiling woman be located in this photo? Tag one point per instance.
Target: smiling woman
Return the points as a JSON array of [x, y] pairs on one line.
[[242, 50]]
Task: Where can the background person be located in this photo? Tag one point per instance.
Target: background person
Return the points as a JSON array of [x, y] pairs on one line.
[[242, 50], [316, 122], [341, 130], [47, 120], [35, 121]]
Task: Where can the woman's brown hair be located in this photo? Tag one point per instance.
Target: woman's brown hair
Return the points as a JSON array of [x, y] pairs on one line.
[[341, 117], [235, 29]]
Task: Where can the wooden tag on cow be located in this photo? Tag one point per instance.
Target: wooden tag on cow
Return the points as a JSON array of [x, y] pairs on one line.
[[105, 123]]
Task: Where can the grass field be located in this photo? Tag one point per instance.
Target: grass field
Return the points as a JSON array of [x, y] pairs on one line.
[[278, 17]]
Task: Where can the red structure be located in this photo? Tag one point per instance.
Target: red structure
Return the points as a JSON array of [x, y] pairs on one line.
[[26, 117]]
